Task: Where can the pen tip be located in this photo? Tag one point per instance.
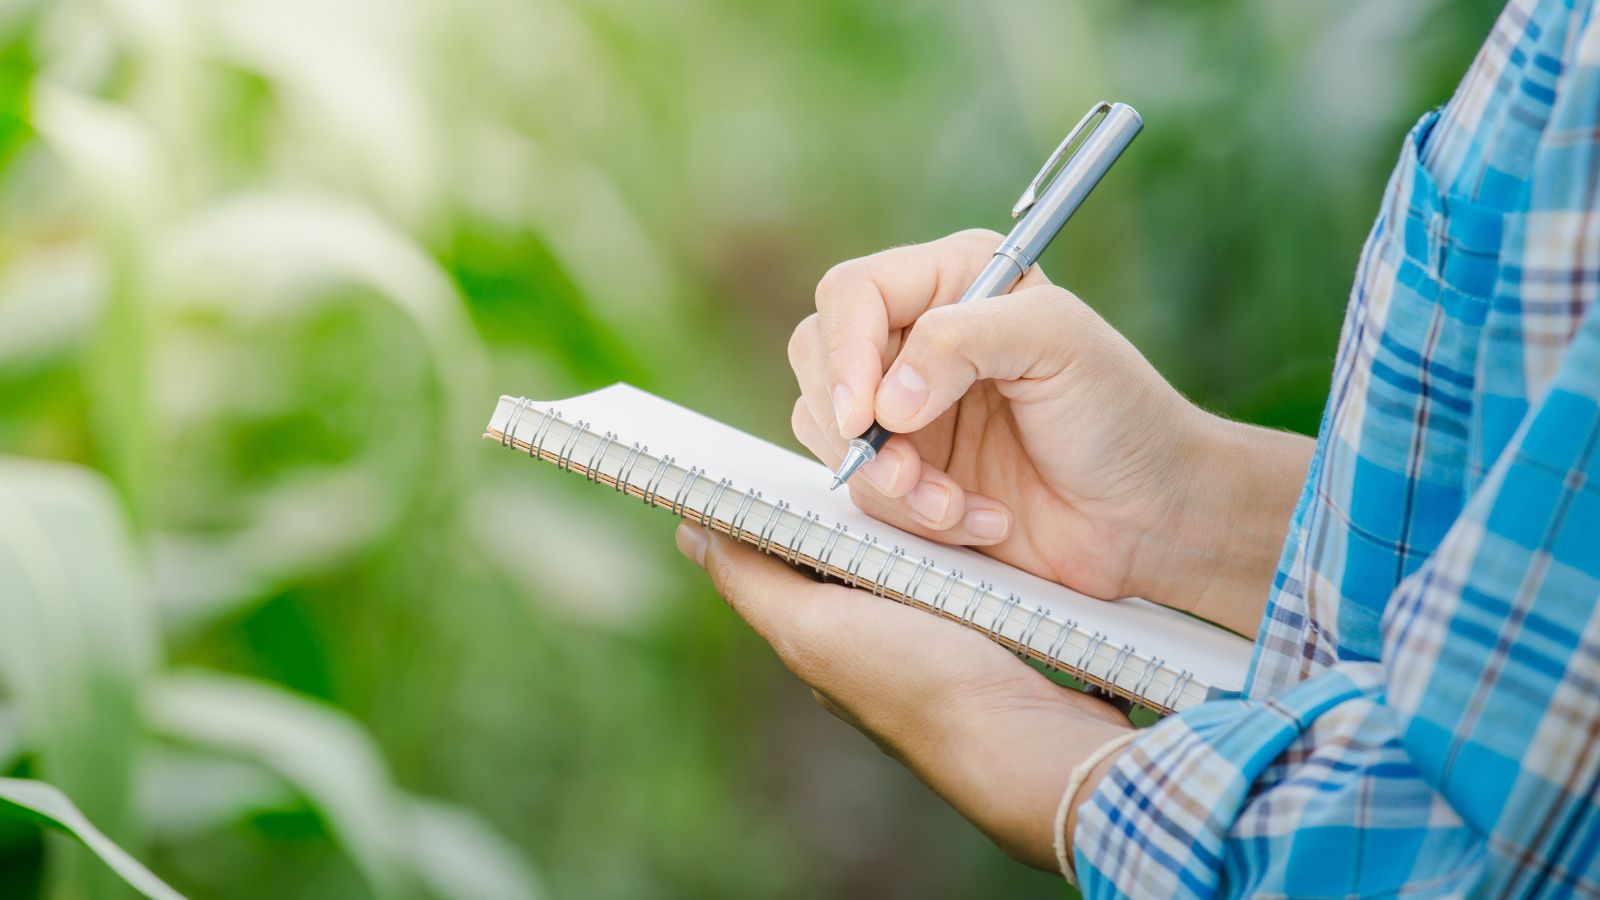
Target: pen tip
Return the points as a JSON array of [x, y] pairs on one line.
[[836, 482]]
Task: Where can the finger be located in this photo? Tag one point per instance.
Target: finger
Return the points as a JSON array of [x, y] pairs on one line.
[[859, 302], [787, 609], [892, 471], [1033, 333], [805, 358], [939, 509], [921, 498], [823, 442]]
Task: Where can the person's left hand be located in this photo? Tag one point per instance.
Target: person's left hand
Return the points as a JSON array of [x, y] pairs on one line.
[[992, 736]]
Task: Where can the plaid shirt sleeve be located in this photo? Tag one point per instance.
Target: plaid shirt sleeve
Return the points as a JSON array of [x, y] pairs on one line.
[[1464, 757], [1466, 760]]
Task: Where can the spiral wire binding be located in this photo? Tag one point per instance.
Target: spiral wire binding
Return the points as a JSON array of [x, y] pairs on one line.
[[951, 576], [564, 458], [798, 540], [682, 493], [709, 509], [625, 472], [1025, 638], [542, 430], [880, 585], [1003, 617], [746, 503], [863, 544], [508, 437], [1089, 650], [764, 540], [979, 591], [1053, 658], [653, 484], [914, 583], [1178, 684], [828, 545], [1152, 665], [1038, 615], [599, 456], [1117, 662]]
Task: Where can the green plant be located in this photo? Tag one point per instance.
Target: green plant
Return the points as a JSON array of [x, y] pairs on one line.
[[278, 624]]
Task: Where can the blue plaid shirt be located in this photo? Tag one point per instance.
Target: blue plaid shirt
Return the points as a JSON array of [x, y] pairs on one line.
[[1422, 715]]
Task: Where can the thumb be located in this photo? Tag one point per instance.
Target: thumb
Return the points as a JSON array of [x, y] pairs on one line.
[[1033, 333]]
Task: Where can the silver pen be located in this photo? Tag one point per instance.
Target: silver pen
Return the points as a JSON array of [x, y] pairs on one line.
[[1114, 127]]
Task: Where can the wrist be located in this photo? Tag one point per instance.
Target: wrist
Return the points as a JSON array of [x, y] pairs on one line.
[[1006, 768], [1085, 780], [1214, 550]]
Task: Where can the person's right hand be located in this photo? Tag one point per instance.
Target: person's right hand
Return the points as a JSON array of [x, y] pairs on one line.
[[1025, 425]]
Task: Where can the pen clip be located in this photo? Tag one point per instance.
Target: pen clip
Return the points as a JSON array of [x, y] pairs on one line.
[[1030, 196]]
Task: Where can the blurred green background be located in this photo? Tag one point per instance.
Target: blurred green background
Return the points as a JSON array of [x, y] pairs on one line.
[[282, 624]]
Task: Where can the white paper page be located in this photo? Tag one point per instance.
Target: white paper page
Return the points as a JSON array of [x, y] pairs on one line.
[[1220, 658]]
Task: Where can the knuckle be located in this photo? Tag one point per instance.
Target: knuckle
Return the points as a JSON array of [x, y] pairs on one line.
[[1059, 311], [981, 236], [1061, 300], [837, 359], [838, 275], [804, 335], [985, 239], [938, 331], [800, 420], [1061, 294], [1053, 310]]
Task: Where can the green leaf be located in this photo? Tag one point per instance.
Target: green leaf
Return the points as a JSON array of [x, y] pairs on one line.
[[22, 798], [312, 746], [266, 259], [76, 635], [112, 161], [279, 253], [399, 843], [458, 855], [17, 67], [184, 795], [49, 298], [10, 737]]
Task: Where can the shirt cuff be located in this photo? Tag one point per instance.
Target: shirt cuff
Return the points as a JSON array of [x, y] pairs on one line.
[[1075, 784], [1157, 824]]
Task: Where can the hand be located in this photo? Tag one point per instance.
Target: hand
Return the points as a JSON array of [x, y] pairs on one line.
[[1029, 427], [992, 736]]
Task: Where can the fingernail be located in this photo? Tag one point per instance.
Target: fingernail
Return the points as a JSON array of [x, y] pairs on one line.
[[692, 540], [930, 501], [883, 470], [901, 394], [987, 524], [843, 402]]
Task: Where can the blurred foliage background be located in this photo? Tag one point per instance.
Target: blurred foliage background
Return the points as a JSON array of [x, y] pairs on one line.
[[278, 620]]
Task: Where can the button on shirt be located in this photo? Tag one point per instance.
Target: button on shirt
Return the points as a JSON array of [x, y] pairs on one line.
[[1422, 714]]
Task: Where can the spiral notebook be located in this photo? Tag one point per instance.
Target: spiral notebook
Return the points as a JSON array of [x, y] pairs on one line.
[[644, 447]]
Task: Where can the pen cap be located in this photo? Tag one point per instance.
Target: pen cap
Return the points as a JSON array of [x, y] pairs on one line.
[[1045, 215]]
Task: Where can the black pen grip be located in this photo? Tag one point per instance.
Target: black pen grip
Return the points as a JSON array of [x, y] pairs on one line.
[[876, 436]]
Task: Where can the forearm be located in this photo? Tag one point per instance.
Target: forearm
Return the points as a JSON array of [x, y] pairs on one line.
[[995, 738], [1214, 555]]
